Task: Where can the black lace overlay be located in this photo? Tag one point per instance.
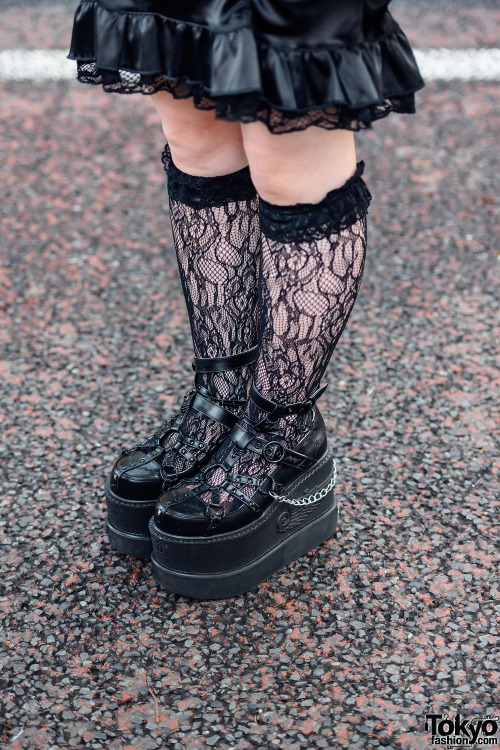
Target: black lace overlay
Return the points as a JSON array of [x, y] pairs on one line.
[[308, 286], [217, 240], [330, 117], [287, 430], [307, 292]]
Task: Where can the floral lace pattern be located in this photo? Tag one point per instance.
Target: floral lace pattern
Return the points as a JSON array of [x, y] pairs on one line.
[[308, 292], [216, 233]]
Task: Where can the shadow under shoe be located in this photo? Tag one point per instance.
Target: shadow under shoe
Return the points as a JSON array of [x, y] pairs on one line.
[[203, 551], [144, 471]]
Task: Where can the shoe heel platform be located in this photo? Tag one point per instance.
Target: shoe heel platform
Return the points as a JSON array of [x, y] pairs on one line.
[[127, 524], [129, 544], [225, 565]]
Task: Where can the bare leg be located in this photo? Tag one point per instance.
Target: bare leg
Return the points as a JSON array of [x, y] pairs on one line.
[[200, 144], [298, 167]]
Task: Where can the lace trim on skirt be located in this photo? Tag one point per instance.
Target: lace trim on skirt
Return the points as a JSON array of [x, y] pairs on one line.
[[248, 107]]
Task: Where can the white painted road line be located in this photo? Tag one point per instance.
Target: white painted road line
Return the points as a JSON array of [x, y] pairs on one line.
[[36, 65], [435, 65], [459, 64]]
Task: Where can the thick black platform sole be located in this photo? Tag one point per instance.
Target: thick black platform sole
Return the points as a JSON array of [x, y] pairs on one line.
[[128, 524], [129, 544], [226, 565]]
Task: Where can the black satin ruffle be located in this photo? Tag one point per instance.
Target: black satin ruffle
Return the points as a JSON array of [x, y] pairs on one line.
[[249, 60]]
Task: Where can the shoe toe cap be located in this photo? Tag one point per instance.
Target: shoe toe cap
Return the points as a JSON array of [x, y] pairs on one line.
[[180, 511], [136, 479]]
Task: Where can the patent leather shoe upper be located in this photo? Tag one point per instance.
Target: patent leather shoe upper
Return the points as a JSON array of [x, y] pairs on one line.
[[181, 511]]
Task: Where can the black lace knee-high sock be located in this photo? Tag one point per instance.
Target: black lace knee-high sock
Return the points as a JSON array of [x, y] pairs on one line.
[[312, 263], [311, 267], [216, 233]]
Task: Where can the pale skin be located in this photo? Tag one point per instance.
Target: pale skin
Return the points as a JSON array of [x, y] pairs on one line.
[[290, 168]]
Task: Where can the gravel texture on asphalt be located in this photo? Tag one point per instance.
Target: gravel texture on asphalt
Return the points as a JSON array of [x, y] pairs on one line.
[[394, 617]]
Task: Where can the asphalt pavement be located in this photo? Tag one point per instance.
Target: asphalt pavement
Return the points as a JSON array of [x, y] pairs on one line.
[[393, 619]]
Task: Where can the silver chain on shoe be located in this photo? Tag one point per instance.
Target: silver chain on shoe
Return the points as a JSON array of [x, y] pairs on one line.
[[319, 495]]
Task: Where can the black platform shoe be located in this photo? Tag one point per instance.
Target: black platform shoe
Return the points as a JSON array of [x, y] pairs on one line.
[[202, 552], [144, 471]]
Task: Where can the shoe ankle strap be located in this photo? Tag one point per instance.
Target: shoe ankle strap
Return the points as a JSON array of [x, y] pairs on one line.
[[221, 364], [275, 411], [226, 403], [209, 408]]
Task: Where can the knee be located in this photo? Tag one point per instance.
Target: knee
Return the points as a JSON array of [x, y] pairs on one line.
[[189, 141], [278, 181], [273, 186], [272, 164], [270, 173], [200, 144], [298, 167], [205, 149]]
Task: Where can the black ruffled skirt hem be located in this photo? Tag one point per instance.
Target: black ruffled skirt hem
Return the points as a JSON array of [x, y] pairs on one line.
[[346, 86]]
